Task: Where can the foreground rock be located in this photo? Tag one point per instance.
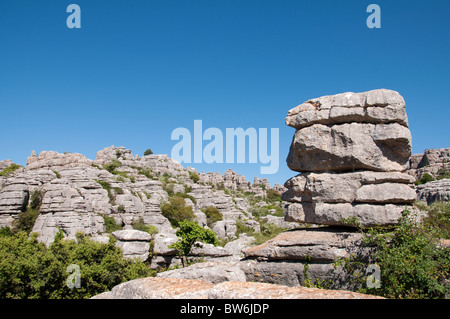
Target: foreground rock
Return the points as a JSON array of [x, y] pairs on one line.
[[171, 288]]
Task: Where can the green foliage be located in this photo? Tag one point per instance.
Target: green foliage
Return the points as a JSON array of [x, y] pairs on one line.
[[194, 177], [273, 195], [412, 263], [424, 179], [140, 225], [190, 233], [213, 215], [9, 170], [438, 217], [58, 175], [259, 212], [148, 152], [26, 219], [443, 173], [175, 210], [112, 166], [267, 231], [110, 224], [30, 270]]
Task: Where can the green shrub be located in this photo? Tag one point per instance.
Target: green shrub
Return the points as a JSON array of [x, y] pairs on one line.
[[424, 179], [26, 219], [189, 233], [112, 166], [30, 270], [443, 173], [9, 170], [148, 152], [110, 224], [273, 195], [411, 262], [175, 210], [194, 177], [213, 215], [140, 225], [438, 217]]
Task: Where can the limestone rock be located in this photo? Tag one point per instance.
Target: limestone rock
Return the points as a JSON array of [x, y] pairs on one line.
[[320, 245], [350, 146], [376, 106], [55, 160], [212, 272], [434, 191], [173, 288], [135, 243]]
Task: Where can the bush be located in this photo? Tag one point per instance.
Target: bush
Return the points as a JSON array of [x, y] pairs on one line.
[[175, 210], [29, 269], [190, 233], [213, 215], [194, 177], [112, 166], [148, 152], [443, 173], [411, 262], [273, 195], [424, 179], [110, 224], [9, 170], [26, 219]]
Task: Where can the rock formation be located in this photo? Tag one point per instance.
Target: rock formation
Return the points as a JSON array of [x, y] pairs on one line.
[[74, 194], [351, 150], [435, 163]]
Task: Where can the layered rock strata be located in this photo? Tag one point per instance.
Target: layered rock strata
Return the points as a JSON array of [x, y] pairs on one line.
[[352, 150]]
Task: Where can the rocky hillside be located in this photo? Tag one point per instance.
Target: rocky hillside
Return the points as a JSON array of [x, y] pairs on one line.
[[118, 191]]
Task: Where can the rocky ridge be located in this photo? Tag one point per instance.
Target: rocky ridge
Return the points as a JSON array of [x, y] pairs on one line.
[[75, 194]]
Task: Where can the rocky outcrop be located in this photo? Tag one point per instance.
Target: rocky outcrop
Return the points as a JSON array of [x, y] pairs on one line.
[[432, 161], [78, 195], [172, 288], [134, 243], [351, 150], [434, 191]]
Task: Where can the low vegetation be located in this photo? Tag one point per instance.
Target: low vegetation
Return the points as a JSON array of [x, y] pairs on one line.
[[9, 170], [30, 270], [411, 260]]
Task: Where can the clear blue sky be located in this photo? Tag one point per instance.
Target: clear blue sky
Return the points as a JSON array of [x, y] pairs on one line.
[[136, 70]]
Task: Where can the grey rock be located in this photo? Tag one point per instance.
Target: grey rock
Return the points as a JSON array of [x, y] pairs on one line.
[[434, 191], [344, 213], [377, 106], [134, 243], [212, 272], [350, 146]]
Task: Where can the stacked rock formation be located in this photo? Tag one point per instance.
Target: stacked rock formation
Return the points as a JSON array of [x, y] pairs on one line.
[[352, 150]]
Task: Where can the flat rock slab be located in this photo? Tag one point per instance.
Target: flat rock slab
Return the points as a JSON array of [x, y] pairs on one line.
[[316, 245], [171, 288], [376, 106], [131, 235]]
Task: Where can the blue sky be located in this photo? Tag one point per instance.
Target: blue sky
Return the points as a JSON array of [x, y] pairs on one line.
[[136, 70]]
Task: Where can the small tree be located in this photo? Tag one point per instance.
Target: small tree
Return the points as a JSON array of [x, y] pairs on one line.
[[148, 152], [190, 234]]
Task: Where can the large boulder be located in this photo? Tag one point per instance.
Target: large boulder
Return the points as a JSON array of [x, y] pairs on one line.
[[174, 288], [350, 146]]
